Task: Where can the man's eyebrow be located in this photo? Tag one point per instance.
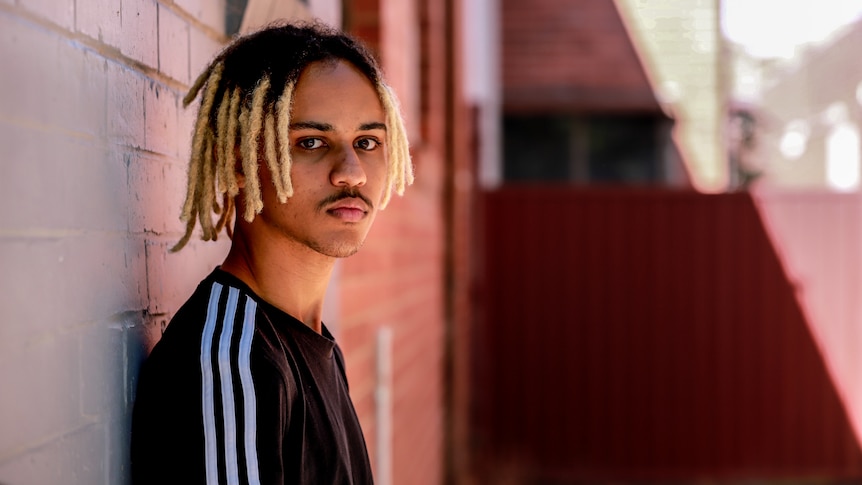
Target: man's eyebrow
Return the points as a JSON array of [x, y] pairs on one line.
[[310, 125], [315, 125], [376, 125]]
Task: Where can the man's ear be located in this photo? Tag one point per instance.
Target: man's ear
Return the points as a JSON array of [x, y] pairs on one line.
[[240, 179]]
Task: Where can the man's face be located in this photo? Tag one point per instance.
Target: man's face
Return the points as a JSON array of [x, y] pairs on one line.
[[337, 130]]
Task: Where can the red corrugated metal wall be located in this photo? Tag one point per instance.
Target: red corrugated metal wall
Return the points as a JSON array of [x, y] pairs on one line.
[[645, 335]]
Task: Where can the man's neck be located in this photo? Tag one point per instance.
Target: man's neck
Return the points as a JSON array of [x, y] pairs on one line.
[[288, 275]]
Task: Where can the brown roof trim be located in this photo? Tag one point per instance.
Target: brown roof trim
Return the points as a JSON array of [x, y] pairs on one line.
[[569, 99]]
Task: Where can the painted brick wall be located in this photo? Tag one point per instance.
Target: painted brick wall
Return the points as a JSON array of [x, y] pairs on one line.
[[95, 143], [397, 281], [94, 146]]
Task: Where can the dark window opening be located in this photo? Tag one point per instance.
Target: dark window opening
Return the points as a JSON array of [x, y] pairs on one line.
[[624, 149]]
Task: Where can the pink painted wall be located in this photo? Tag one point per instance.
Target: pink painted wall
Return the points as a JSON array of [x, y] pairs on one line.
[[818, 237], [94, 152]]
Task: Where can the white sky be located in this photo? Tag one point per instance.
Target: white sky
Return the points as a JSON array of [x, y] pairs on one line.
[[772, 28]]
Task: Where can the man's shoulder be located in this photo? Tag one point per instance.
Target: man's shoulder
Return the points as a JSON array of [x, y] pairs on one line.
[[220, 308]]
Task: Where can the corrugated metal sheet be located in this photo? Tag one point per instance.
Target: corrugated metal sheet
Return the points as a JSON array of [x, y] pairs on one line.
[[646, 335]]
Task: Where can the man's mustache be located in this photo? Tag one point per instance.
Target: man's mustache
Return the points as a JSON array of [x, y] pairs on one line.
[[345, 194]]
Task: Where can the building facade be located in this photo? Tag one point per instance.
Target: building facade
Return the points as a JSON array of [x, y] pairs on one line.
[[95, 148]]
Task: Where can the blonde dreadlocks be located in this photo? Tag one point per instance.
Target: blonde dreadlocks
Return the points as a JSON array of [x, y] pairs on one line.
[[245, 112]]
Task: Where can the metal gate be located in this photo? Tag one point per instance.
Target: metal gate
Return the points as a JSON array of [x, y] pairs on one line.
[[646, 335]]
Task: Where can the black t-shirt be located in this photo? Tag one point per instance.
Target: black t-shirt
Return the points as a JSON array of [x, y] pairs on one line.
[[239, 392]]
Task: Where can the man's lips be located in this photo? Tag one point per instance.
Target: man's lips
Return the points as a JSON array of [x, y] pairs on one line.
[[348, 210]]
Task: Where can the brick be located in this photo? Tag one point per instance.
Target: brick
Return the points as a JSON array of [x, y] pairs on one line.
[[202, 50], [59, 12], [107, 274], [60, 182], [173, 45], [157, 193], [32, 409], [31, 262], [140, 36], [31, 177], [76, 458], [400, 57], [62, 87], [100, 20], [145, 208], [86, 278], [210, 12], [160, 119], [95, 196], [125, 106], [78, 96], [172, 277], [88, 93]]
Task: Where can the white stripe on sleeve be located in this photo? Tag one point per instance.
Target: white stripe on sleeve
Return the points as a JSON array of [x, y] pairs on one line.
[[208, 400], [249, 400], [227, 398]]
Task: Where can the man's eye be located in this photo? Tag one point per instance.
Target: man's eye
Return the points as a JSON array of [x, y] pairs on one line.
[[310, 143], [367, 144]]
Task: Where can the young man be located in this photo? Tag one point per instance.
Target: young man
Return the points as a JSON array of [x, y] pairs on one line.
[[298, 133]]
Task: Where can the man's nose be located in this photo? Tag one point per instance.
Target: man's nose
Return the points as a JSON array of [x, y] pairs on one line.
[[348, 170]]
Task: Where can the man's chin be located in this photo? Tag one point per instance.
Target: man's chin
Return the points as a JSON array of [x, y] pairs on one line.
[[338, 250]]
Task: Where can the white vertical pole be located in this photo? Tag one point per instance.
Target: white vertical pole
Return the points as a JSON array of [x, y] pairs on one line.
[[383, 405]]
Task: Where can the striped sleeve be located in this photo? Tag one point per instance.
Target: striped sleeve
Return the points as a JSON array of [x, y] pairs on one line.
[[229, 407]]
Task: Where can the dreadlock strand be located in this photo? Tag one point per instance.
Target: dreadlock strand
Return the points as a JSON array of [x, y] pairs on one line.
[[229, 167], [400, 169], [195, 163], [253, 202], [221, 135], [194, 168], [228, 226], [190, 227], [214, 70], [211, 76], [248, 213], [251, 139], [283, 129], [225, 209], [199, 210], [404, 168], [272, 156], [212, 180], [207, 194]]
